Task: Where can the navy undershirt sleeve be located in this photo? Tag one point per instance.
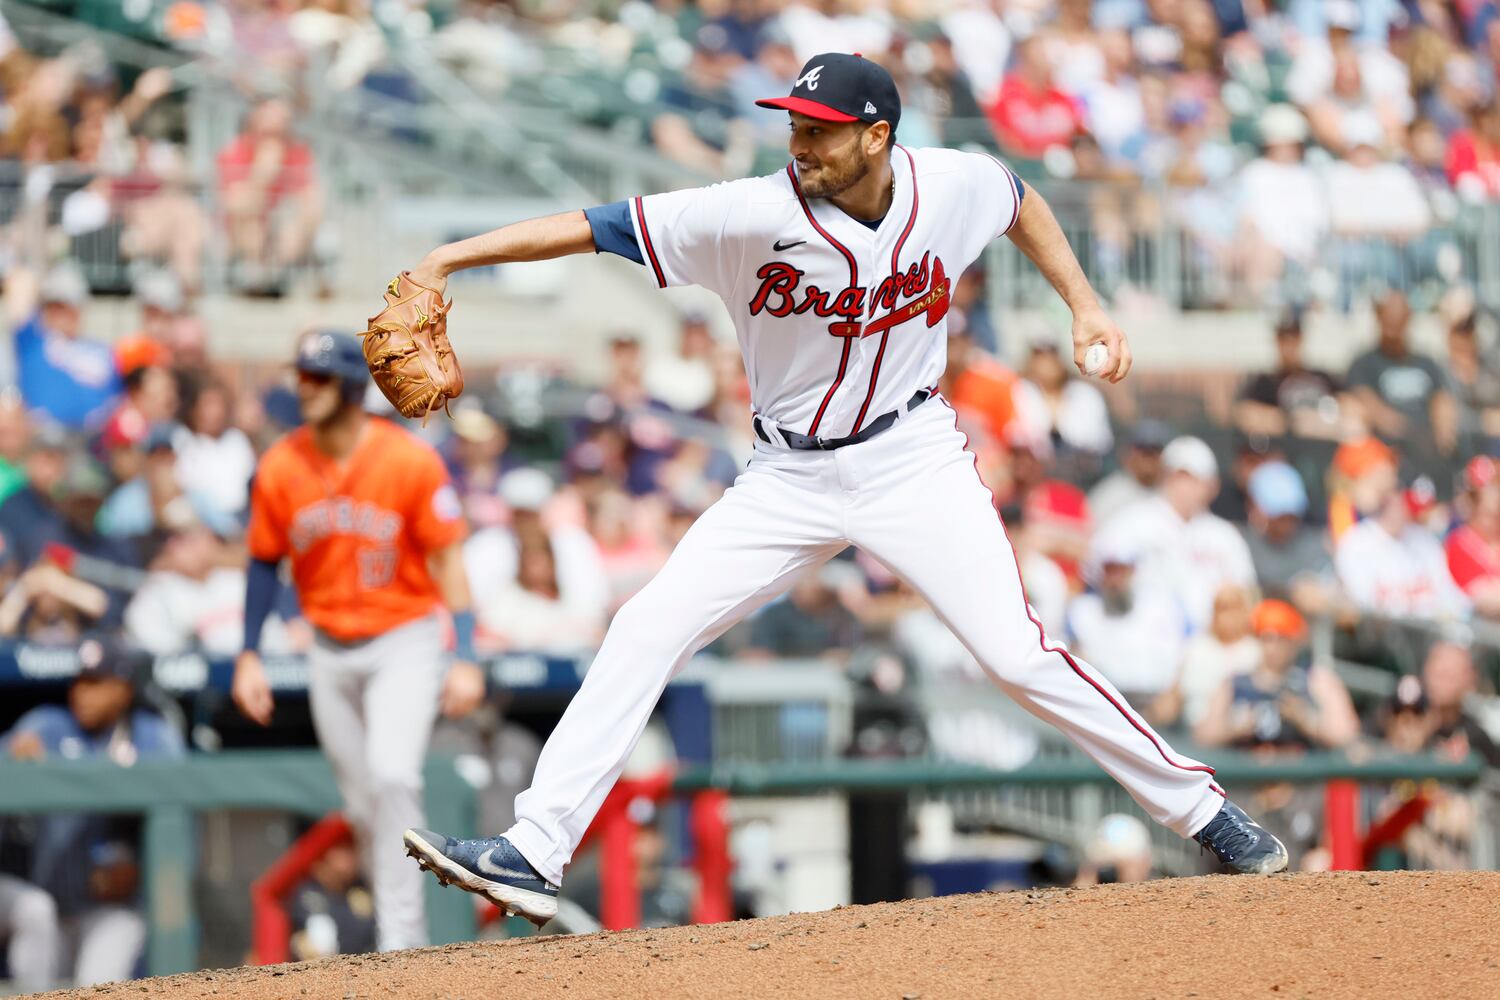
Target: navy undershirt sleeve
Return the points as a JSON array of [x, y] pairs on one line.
[[1020, 188], [613, 232], [261, 584]]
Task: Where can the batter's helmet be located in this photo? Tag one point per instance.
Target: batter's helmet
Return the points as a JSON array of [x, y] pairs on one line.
[[331, 352]]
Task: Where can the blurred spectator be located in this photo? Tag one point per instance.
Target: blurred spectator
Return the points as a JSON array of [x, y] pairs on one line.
[[698, 127], [1328, 74], [150, 401], [1377, 211], [272, 199], [1132, 633], [1185, 550], [192, 600], [564, 551], [1292, 559], [1227, 648], [1283, 208], [1292, 398], [1031, 114], [88, 863], [811, 622], [477, 459], [1139, 474], [685, 380], [980, 388], [1393, 566], [162, 307], [15, 440], [62, 374], [156, 501], [165, 224], [1403, 393], [332, 911], [1364, 472], [1448, 680], [1066, 409], [29, 509], [1474, 155], [529, 613], [1474, 547], [1112, 102], [215, 459], [1285, 702], [1474, 382]]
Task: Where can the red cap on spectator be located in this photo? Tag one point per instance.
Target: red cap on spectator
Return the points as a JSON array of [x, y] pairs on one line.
[[137, 352], [1355, 458], [126, 429], [1278, 618], [1057, 502]]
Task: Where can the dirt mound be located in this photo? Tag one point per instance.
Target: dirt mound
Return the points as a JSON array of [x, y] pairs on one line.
[[1358, 934]]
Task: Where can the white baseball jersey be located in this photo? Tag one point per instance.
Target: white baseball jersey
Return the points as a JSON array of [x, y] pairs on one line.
[[838, 323]]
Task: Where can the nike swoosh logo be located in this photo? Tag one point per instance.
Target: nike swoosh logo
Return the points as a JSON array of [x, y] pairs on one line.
[[489, 868], [779, 246]]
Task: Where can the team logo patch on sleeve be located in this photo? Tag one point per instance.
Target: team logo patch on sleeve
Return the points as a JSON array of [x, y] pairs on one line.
[[445, 503]]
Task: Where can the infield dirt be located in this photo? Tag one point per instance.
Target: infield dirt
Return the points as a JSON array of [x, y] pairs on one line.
[[1355, 934]]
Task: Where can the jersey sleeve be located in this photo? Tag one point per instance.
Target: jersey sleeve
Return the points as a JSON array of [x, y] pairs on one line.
[[993, 194], [692, 237], [437, 516], [266, 535]]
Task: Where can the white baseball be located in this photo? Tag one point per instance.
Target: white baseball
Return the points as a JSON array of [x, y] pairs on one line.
[[1095, 358]]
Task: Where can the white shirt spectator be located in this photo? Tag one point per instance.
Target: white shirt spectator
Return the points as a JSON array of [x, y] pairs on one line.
[[1384, 76], [1046, 591], [533, 623], [1188, 559], [173, 613], [1382, 199], [1403, 576], [981, 45], [1081, 418], [1138, 650], [1287, 205], [1206, 663], [1114, 493], [217, 468], [490, 559]]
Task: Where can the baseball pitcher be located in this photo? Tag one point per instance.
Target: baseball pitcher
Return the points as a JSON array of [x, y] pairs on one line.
[[837, 272], [365, 514]]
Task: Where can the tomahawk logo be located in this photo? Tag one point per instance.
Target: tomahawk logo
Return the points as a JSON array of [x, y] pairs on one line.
[[809, 79]]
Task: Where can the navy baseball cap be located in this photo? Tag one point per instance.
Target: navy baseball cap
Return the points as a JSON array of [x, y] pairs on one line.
[[332, 352], [840, 87]]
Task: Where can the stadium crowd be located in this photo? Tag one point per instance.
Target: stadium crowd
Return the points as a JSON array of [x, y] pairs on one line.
[[1211, 573]]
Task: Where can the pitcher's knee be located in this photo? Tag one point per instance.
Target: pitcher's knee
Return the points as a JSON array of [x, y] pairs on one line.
[[646, 633]]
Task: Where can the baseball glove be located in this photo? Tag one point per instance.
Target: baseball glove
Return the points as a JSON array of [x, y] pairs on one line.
[[407, 349]]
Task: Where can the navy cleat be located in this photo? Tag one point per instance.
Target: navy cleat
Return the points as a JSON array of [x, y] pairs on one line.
[[1243, 845], [491, 868]]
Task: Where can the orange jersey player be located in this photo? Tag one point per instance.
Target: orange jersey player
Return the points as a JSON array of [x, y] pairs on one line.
[[365, 514]]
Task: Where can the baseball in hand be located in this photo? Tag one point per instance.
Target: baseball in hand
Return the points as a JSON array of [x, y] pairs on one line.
[[1095, 358]]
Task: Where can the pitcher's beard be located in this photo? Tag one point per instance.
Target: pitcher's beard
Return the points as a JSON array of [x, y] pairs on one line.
[[833, 180]]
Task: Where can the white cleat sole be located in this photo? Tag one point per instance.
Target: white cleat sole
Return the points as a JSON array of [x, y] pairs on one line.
[[534, 906]]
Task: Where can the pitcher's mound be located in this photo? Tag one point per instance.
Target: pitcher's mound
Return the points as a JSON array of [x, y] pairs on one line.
[[1357, 934]]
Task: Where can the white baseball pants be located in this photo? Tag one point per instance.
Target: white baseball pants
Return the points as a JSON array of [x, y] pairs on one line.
[[909, 497], [373, 706]]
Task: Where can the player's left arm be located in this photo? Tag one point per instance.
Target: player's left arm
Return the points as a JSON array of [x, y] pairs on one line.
[[1037, 235], [463, 687]]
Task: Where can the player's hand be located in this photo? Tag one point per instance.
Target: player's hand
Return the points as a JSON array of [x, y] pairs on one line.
[[1092, 326], [463, 689], [250, 689]]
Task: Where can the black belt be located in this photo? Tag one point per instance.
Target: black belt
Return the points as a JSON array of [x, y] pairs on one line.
[[807, 442]]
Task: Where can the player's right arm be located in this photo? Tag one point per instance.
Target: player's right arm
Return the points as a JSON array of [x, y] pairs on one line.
[[694, 236], [534, 239]]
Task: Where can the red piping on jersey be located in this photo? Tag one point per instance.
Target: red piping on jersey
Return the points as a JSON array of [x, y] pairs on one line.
[[1060, 651], [640, 216], [895, 269], [791, 172]]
